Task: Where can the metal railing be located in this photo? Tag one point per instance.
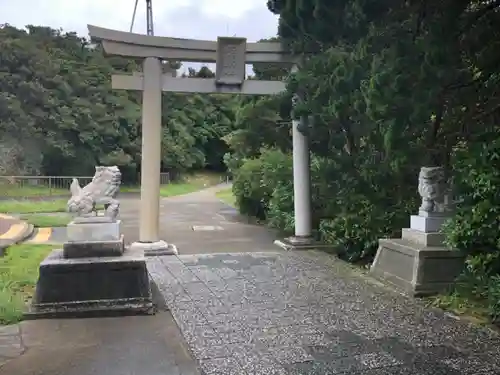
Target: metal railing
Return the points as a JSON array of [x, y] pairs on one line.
[[19, 186], [164, 178], [40, 186]]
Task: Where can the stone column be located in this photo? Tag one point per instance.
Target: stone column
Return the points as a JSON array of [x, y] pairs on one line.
[[301, 185], [151, 150], [149, 238], [301, 180], [301, 176]]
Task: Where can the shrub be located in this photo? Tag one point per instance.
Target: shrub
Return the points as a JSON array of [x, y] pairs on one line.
[[363, 204], [251, 197], [474, 228], [257, 179]]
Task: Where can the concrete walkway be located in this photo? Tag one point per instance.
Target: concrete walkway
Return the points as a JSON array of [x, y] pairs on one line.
[[245, 308], [135, 345], [195, 223], [199, 223]]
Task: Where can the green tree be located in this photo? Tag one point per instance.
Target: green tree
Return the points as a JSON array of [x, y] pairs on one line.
[[58, 110]]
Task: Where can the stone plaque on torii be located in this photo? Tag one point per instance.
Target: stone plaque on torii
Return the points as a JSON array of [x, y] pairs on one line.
[[230, 55]]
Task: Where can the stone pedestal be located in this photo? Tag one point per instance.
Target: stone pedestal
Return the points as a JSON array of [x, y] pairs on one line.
[[91, 286], [92, 275], [299, 243], [158, 248], [93, 237], [418, 263]]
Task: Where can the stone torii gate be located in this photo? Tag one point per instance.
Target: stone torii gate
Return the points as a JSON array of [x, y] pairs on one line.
[[230, 55]]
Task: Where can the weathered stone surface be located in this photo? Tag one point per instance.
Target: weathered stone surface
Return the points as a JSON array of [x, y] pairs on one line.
[[92, 219], [307, 313], [298, 243], [158, 248], [92, 231], [423, 238], [89, 249], [426, 224], [416, 269], [91, 285]]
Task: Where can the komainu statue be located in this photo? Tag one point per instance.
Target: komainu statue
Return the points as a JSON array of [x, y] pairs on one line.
[[433, 188], [101, 190]]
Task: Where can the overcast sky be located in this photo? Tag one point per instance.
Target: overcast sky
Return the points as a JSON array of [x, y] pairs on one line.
[[197, 19]]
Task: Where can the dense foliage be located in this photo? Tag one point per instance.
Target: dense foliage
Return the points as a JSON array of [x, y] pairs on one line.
[[391, 86], [59, 115]]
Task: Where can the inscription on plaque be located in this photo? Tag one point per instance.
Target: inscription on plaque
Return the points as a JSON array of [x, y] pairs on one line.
[[230, 65]]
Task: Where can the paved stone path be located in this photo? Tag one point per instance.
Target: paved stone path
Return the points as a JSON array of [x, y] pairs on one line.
[[306, 313]]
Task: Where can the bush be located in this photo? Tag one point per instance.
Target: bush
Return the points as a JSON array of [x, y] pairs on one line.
[[363, 201], [350, 209], [251, 197], [257, 179], [475, 227]]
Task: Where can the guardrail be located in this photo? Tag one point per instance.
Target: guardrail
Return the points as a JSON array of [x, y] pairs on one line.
[[19, 186], [40, 186]]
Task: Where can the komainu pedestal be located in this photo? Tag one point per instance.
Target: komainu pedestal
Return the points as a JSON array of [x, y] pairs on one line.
[[419, 263], [93, 274]]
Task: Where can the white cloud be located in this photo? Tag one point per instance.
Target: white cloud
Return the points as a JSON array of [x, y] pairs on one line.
[[117, 14], [197, 19], [230, 8]]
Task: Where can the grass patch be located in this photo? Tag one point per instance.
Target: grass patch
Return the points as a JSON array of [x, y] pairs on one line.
[[16, 191], [468, 308], [205, 179], [227, 196], [46, 221], [18, 276], [32, 206], [187, 184], [180, 188]]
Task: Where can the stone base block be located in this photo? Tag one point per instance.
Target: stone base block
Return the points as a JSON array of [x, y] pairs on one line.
[[299, 243], [91, 249], [93, 219], [417, 270], [422, 238], [91, 286], [158, 248], [93, 231], [445, 214], [427, 223]]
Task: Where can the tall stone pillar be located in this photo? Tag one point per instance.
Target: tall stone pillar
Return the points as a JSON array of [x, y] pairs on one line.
[[301, 186], [149, 238], [301, 180]]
